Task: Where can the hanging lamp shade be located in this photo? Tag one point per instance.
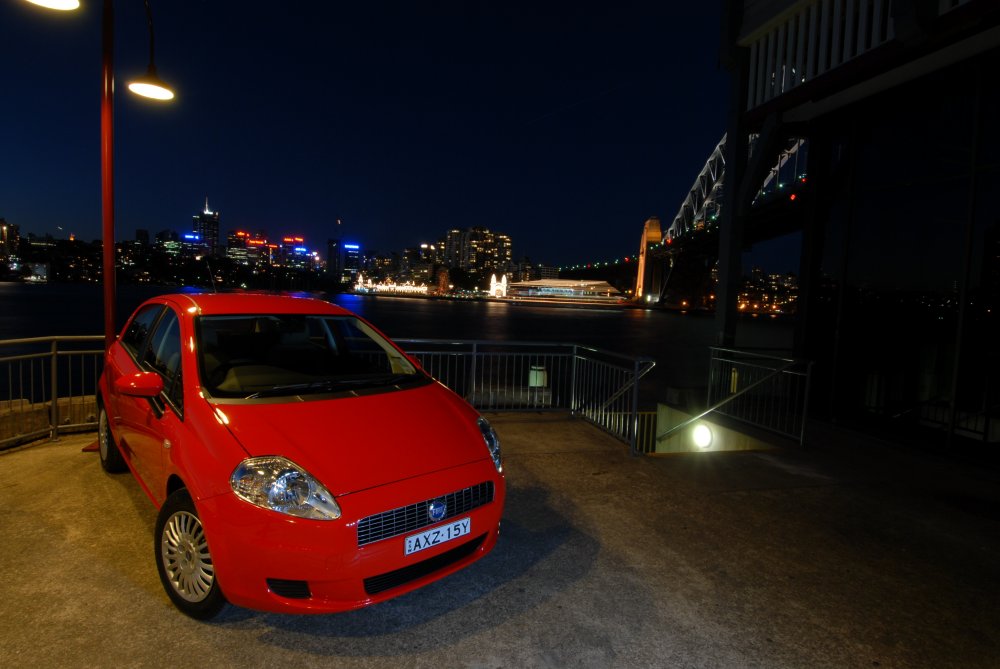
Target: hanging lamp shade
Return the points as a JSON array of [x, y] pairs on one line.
[[151, 86], [61, 5]]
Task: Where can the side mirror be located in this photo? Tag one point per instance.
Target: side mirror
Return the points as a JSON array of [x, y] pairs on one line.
[[140, 384]]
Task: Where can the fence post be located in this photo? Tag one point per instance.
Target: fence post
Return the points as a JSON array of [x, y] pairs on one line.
[[572, 381], [472, 371], [635, 408], [54, 392], [805, 404]]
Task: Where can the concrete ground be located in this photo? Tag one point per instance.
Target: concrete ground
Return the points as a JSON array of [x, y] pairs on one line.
[[839, 554]]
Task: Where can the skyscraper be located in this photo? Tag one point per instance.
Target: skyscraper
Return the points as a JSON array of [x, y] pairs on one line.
[[206, 226]]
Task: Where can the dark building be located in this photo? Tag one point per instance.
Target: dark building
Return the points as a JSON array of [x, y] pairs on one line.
[[343, 260], [9, 237], [895, 105]]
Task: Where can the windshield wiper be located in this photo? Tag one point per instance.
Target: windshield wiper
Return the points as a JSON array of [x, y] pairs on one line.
[[372, 381], [311, 387]]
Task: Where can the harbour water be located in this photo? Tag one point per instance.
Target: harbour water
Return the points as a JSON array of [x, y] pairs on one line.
[[678, 342]]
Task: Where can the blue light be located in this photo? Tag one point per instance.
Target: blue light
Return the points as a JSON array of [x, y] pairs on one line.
[[300, 249], [353, 247], [195, 237]]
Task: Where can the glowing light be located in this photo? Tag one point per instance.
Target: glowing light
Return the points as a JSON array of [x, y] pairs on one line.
[[61, 5], [369, 286], [151, 90], [353, 247], [701, 435]]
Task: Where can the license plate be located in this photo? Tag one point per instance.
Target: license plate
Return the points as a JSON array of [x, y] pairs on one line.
[[439, 535]]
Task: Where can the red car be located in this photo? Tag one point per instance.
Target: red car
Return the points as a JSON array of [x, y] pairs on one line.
[[301, 462]]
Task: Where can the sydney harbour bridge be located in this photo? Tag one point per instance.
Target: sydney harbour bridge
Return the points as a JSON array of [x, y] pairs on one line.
[[677, 259]]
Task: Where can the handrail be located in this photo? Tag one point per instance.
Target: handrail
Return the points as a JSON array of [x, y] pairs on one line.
[[718, 405], [52, 377], [600, 386]]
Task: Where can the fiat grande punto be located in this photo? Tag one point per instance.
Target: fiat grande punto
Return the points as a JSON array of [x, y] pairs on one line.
[[300, 461]]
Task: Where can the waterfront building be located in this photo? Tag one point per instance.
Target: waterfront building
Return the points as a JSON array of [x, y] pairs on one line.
[[478, 250], [565, 289], [343, 260]]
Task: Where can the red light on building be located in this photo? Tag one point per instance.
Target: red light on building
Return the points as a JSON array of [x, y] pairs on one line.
[[792, 197]]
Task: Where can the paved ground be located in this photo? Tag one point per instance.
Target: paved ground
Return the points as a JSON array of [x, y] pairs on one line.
[[841, 554]]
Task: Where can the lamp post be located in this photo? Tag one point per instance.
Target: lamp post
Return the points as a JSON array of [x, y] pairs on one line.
[[149, 86]]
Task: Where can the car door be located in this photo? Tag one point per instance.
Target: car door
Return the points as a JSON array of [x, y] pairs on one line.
[[149, 423]]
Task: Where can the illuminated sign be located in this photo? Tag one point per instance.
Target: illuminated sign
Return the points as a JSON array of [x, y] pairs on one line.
[[353, 247]]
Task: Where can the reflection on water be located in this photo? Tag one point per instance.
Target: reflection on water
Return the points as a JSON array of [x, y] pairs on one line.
[[678, 342]]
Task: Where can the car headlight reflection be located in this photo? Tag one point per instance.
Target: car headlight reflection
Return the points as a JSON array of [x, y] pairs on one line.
[[492, 442], [276, 483]]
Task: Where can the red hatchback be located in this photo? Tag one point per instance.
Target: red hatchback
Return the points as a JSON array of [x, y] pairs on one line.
[[300, 461]]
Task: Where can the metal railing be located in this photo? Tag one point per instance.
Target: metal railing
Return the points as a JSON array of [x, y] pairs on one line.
[[600, 386], [767, 391], [48, 385]]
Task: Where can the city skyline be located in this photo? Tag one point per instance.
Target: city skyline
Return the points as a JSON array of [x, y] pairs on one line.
[[557, 125]]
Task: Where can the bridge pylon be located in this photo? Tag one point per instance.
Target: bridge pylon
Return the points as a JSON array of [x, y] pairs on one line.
[[649, 277]]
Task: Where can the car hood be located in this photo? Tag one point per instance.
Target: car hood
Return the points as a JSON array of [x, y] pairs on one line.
[[355, 443]]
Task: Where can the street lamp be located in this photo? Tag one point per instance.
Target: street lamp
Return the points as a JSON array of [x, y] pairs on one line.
[[150, 86]]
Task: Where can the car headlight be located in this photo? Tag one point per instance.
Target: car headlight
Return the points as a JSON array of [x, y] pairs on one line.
[[492, 442], [276, 483]]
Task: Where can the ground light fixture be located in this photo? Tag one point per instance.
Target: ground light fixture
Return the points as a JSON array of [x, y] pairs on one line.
[[701, 435], [150, 86]]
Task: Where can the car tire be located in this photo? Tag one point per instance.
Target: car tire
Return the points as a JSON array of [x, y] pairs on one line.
[[183, 559], [111, 458]]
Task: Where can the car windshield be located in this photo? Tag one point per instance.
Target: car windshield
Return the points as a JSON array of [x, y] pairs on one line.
[[282, 355]]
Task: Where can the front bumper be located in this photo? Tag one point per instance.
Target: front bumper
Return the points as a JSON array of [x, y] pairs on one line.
[[272, 562]]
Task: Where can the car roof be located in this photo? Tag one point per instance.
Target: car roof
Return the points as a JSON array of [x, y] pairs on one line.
[[251, 303]]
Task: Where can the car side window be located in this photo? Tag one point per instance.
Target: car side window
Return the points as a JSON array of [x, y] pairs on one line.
[[137, 331], [163, 356]]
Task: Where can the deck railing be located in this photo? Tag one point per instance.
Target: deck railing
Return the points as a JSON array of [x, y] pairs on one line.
[[767, 391], [48, 384], [600, 386]]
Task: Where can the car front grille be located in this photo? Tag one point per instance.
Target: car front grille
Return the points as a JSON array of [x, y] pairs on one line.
[[398, 577], [414, 516]]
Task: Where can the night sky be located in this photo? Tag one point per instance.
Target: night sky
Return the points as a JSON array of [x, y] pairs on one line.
[[562, 125]]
